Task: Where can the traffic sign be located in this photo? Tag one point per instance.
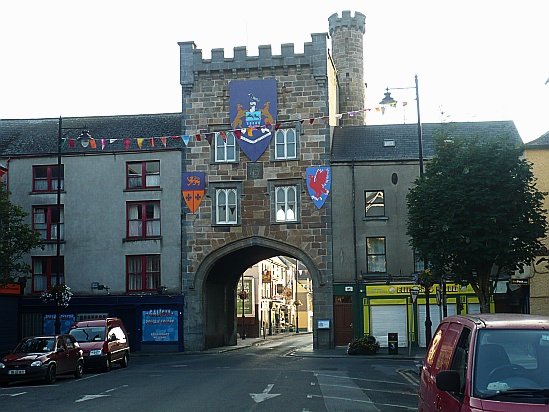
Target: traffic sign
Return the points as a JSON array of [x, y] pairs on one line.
[[413, 294]]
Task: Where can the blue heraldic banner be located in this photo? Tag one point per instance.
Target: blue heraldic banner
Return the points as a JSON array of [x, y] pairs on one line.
[[253, 114]]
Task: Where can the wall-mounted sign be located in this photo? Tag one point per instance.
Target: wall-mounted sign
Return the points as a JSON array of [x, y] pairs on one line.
[[323, 324], [67, 319], [160, 325], [519, 281]]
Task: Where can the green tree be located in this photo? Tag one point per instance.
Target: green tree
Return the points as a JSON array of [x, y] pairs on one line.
[[476, 212], [17, 239]]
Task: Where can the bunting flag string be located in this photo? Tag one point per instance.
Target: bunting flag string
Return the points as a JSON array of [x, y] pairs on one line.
[[238, 133]]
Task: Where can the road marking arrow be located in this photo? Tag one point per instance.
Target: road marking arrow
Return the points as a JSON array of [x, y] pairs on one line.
[[260, 397], [90, 397]]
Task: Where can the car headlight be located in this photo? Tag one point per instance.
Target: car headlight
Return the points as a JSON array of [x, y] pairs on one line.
[[95, 352], [2, 366], [36, 363]]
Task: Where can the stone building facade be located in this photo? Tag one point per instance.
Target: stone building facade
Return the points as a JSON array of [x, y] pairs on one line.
[[214, 254]]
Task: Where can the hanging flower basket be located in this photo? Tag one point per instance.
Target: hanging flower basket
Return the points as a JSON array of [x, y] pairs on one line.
[[58, 294], [425, 278], [366, 345], [243, 294]]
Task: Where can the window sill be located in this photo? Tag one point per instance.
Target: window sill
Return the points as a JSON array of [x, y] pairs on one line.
[[144, 189], [374, 218], [140, 239], [45, 192]]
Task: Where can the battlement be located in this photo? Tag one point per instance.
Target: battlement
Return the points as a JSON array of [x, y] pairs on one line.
[[193, 63], [336, 22]]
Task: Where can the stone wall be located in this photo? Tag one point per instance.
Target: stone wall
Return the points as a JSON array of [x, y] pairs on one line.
[[302, 89]]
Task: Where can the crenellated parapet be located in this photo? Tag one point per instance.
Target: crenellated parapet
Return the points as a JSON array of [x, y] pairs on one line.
[[358, 21], [193, 64]]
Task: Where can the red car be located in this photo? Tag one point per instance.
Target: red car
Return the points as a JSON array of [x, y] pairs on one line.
[[42, 357], [487, 362]]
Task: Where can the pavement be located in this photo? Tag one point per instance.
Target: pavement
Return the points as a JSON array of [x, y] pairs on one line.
[[414, 353]]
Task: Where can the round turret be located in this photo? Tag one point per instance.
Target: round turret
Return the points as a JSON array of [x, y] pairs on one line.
[[347, 34]]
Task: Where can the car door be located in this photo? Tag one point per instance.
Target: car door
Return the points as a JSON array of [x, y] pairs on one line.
[[73, 353], [453, 401], [62, 356]]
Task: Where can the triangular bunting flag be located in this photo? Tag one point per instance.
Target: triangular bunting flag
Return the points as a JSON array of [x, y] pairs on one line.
[[140, 142], [198, 137], [92, 144], [127, 143], [163, 140], [103, 143], [186, 139]]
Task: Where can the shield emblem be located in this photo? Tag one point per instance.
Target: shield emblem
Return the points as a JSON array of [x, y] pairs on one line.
[[192, 189], [319, 180], [253, 114]]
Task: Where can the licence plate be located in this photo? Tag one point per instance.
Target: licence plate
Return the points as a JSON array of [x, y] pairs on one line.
[[16, 372]]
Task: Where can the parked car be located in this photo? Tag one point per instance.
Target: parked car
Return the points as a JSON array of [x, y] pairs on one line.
[[42, 357], [487, 362], [104, 342]]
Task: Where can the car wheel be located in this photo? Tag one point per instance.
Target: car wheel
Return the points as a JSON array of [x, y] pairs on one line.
[[107, 365], [124, 361], [51, 374], [79, 370]]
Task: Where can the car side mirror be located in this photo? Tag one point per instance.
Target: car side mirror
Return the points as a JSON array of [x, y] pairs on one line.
[[448, 381]]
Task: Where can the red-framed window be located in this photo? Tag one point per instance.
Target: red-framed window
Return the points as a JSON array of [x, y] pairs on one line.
[[44, 220], [44, 178], [140, 175], [44, 272], [143, 219], [143, 273]]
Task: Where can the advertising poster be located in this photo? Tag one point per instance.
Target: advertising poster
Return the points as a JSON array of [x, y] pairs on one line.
[[160, 325], [67, 319]]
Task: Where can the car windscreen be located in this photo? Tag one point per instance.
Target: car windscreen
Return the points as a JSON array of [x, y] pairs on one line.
[[36, 345], [89, 334], [510, 359]]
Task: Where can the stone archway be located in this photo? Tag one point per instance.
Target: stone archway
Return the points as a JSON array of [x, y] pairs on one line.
[[210, 294]]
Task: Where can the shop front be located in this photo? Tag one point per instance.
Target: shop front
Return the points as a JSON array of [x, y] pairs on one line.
[[154, 322], [395, 308]]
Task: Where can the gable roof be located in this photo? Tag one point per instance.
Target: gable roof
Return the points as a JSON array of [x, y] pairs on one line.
[[39, 136], [541, 142], [397, 142]]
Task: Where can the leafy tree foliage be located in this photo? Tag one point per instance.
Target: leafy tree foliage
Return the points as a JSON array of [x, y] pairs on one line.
[[476, 212], [17, 239]]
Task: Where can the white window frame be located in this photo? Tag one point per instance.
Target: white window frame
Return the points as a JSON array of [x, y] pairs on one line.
[[286, 207], [283, 142], [225, 199], [224, 146]]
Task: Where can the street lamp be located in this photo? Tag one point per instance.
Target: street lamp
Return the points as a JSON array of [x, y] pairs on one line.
[[84, 136], [388, 100]]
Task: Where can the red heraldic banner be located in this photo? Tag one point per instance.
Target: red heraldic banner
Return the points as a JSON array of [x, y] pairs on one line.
[[192, 189]]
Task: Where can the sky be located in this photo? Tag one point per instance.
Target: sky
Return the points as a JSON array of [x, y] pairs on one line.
[[475, 60]]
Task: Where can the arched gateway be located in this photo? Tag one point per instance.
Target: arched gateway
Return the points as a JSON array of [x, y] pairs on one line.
[[210, 317]]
